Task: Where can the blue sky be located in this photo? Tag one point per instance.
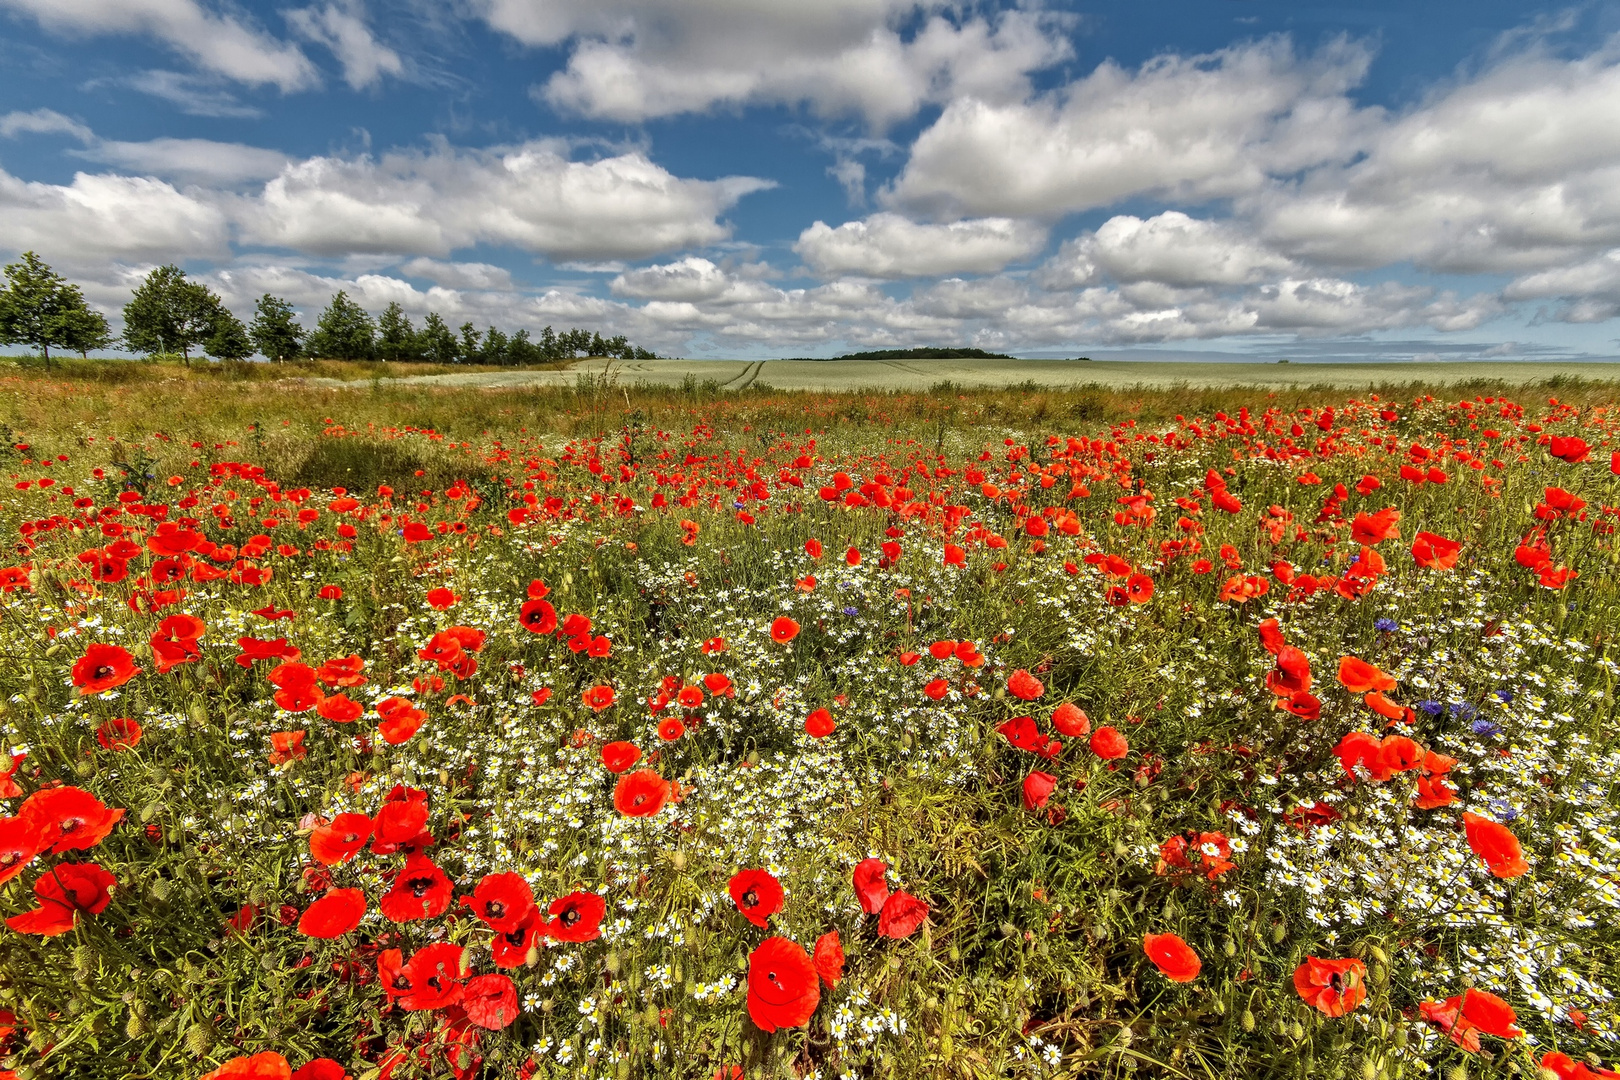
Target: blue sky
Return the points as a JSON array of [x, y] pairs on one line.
[[761, 178]]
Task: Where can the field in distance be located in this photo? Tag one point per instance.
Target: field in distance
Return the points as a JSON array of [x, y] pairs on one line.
[[914, 375]]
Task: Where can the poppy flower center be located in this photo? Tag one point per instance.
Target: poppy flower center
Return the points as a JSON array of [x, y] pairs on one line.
[[495, 909], [1335, 983], [70, 824], [10, 858], [515, 937], [104, 672], [570, 917], [401, 983], [420, 886], [751, 899]]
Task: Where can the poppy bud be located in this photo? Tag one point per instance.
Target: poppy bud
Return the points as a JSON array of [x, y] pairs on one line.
[[1247, 1020]]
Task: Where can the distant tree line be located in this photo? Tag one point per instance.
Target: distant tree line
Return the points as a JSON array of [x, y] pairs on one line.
[[170, 313]]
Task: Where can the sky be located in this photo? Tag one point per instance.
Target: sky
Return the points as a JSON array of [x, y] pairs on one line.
[[763, 178]]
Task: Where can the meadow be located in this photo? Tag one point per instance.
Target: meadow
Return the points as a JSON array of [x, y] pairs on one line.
[[372, 729]]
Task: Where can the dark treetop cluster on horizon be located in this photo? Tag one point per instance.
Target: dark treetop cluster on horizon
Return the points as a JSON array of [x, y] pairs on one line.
[[171, 314]]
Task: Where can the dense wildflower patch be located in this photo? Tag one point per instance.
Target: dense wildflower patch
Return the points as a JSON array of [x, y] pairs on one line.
[[1280, 741]]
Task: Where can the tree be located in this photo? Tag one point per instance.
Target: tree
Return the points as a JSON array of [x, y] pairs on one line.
[[468, 346], [436, 343], [85, 330], [521, 351], [396, 338], [39, 307], [170, 313], [344, 332], [495, 348], [230, 340], [274, 332]]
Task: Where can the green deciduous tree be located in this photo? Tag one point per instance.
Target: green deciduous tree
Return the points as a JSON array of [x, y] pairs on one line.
[[344, 332], [39, 307], [274, 330], [436, 343], [396, 338], [230, 340], [170, 313], [469, 345]]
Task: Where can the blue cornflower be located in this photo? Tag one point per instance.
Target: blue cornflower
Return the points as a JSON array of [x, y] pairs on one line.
[[1504, 696], [1502, 809], [1484, 727], [852, 611], [1433, 708], [1386, 625], [1462, 710]]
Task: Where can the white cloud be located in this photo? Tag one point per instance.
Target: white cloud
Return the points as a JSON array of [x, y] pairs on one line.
[[637, 59], [1590, 289], [342, 28], [198, 161], [460, 275], [100, 217], [1198, 127], [689, 281], [888, 245], [220, 43], [42, 122], [1170, 247], [531, 196]]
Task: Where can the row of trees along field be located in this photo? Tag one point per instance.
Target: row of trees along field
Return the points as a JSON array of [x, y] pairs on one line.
[[172, 314]]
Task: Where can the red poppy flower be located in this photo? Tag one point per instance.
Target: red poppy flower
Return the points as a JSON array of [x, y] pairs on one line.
[[333, 915], [490, 1001], [901, 915], [341, 839], [1038, 788], [871, 884], [828, 957], [120, 734], [1108, 744], [274, 649], [287, 746], [342, 671], [1172, 956], [431, 980], [68, 819], [21, 839], [599, 697], [321, 1069], [1562, 1065], [8, 772], [937, 689], [441, 598], [1334, 986], [1358, 676], [1496, 844], [538, 616], [690, 697], [340, 709], [1435, 552], [671, 728], [1139, 588], [1024, 686], [399, 720], [783, 986], [402, 816], [266, 1066], [640, 794], [514, 949], [619, 756], [1472, 1013], [103, 667], [1071, 720], [819, 724], [63, 892], [1271, 636], [757, 895], [576, 917], [421, 891], [1432, 793], [501, 901], [1376, 528], [784, 630]]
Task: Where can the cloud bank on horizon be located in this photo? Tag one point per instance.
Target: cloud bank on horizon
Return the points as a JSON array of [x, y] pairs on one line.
[[746, 177]]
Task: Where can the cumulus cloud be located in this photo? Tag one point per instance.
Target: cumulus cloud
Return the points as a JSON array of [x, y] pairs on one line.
[[531, 196], [1194, 127], [100, 217], [1590, 289], [341, 27], [1171, 247], [888, 245], [881, 59], [460, 275], [220, 43]]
